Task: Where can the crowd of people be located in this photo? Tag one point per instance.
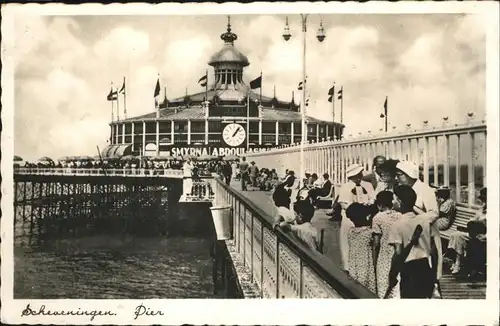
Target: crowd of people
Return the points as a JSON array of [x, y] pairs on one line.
[[390, 226]]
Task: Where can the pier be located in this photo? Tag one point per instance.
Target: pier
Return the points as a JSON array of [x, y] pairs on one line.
[[258, 262]]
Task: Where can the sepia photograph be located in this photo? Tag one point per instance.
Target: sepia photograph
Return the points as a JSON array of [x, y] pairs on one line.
[[233, 154]]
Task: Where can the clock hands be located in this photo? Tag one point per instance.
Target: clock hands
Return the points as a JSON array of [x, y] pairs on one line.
[[234, 134]]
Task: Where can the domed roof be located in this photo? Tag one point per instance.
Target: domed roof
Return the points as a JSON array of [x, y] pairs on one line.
[[228, 54]]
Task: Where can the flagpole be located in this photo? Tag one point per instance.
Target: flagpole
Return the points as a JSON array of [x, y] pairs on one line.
[[112, 104], [386, 109], [342, 105], [124, 100], [260, 96], [333, 102], [117, 106], [248, 118], [165, 97], [206, 85]]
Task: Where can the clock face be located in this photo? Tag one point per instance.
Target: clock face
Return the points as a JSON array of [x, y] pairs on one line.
[[234, 134]]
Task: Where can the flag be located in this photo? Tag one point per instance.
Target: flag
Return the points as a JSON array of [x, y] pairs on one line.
[[113, 95], [122, 90], [330, 99], [385, 106], [256, 83], [300, 84], [203, 81], [157, 88], [331, 91], [340, 93]]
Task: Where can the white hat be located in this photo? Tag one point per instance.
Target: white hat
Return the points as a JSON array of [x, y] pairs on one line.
[[353, 170], [408, 168]]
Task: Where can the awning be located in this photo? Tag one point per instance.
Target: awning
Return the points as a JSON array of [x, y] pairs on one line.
[[116, 151]]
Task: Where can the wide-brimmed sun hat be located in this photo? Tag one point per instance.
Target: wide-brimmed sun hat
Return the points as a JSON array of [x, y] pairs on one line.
[[408, 168], [353, 170]]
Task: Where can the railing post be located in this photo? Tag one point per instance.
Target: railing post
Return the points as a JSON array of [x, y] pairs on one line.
[[435, 161], [251, 248], [458, 168], [426, 160], [277, 267], [446, 164], [471, 173]]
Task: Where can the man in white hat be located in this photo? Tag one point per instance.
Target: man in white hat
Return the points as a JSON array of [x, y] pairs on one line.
[[355, 190], [407, 173]]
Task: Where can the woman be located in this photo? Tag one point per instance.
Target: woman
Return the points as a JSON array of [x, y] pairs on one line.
[[359, 239], [382, 251], [282, 202], [458, 240], [447, 209], [387, 180]]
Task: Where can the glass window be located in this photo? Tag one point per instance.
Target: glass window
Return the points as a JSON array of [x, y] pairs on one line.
[[150, 127]]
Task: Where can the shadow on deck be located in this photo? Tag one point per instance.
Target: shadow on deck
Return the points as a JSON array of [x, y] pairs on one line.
[[453, 287]]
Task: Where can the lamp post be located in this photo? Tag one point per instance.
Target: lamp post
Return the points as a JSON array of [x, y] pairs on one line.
[[321, 37]]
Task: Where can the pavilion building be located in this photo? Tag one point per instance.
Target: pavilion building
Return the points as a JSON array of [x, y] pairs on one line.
[[234, 120]]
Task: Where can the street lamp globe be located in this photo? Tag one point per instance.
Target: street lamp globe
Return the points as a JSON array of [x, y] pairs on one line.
[[286, 32]]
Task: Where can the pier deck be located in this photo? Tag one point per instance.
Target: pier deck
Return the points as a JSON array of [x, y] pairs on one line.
[[453, 287]]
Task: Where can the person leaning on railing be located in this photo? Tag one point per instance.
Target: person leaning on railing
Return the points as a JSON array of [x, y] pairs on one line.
[[303, 229]]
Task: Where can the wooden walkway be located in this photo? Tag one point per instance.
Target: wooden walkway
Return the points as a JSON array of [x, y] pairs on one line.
[[453, 287]]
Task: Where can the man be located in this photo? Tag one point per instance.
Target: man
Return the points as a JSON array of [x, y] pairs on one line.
[[226, 172], [187, 177], [254, 173], [321, 191], [355, 190], [244, 173], [425, 204], [417, 276], [374, 176]]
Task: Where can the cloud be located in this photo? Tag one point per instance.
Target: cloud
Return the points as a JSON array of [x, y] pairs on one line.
[[428, 66], [124, 44]]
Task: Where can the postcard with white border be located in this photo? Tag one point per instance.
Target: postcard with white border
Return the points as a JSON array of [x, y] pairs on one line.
[[176, 163]]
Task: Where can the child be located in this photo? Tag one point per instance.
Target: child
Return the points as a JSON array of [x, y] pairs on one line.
[[359, 239], [382, 251], [303, 230]]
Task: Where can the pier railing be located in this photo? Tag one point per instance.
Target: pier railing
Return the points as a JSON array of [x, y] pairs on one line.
[[128, 172], [280, 265], [454, 156], [198, 190]]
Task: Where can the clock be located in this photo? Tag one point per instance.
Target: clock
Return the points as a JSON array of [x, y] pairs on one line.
[[234, 134]]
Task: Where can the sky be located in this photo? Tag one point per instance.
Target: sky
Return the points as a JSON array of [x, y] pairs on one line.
[[429, 66]]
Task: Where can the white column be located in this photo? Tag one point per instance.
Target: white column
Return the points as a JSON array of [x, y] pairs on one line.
[[143, 138], [157, 138], [172, 131], [206, 132], [291, 133], [260, 132], [277, 133], [123, 133], [133, 131], [189, 132], [117, 131], [317, 132]]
